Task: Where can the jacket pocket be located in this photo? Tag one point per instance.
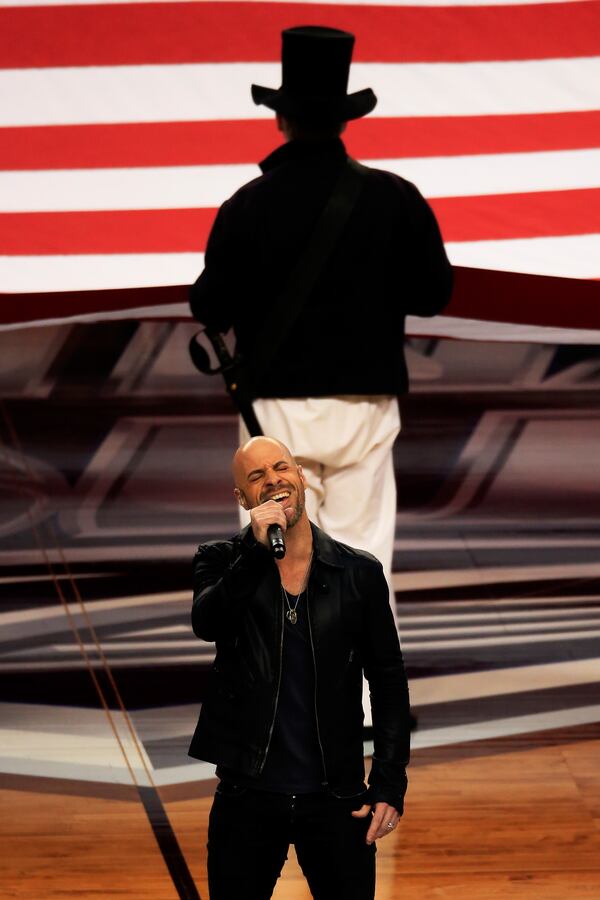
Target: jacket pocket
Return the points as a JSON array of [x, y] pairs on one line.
[[349, 794], [230, 789]]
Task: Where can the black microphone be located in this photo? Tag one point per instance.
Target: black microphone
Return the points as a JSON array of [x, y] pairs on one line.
[[276, 540]]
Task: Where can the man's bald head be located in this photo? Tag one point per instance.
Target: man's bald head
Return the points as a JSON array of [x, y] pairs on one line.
[[252, 451]]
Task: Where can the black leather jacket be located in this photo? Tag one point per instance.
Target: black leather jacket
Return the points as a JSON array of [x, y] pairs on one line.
[[236, 588]]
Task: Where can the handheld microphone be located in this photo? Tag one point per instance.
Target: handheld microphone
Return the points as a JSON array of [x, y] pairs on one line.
[[276, 541]]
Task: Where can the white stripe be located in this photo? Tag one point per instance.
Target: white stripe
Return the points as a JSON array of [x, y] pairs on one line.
[[472, 685], [179, 187], [122, 551], [84, 770], [184, 187], [502, 606], [19, 274], [443, 578], [569, 256], [504, 627], [460, 643], [522, 615], [71, 770], [499, 332], [496, 542], [575, 257], [165, 630], [109, 647], [31, 579], [70, 747], [154, 93], [501, 173], [536, 631], [187, 773], [96, 607], [96, 663], [172, 311], [481, 731]]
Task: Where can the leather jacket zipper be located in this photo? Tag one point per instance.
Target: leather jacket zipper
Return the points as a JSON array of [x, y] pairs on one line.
[[312, 647], [265, 754]]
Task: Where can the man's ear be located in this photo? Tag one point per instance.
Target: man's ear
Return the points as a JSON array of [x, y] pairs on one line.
[[239, 496], [302, 475]]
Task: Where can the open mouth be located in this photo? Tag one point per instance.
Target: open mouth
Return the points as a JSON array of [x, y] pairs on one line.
[[281, 496]]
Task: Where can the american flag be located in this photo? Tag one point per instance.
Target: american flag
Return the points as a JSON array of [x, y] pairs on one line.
[[124, 125]]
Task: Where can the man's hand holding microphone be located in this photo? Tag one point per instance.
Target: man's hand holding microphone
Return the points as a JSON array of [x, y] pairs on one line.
[[269, 522]]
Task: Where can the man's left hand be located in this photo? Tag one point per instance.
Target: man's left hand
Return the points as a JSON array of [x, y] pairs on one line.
[[385, 819]]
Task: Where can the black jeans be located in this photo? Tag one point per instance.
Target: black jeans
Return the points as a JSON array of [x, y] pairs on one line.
[[249, 833]]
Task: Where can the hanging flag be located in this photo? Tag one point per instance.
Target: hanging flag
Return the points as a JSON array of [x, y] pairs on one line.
[[124, 126]]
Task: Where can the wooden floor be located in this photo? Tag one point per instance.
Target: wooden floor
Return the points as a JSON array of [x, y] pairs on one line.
[[517, 818]]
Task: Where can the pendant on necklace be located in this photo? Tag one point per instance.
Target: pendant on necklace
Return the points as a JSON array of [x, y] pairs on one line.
[[292, 616]]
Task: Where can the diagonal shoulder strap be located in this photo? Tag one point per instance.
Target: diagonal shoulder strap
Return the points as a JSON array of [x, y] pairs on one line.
[[306, 272]]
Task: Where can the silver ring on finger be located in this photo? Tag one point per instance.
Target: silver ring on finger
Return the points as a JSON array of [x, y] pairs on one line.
[[390, 825]]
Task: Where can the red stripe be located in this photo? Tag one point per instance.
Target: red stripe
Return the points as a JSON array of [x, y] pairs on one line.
[[123, 231], [127, 34], [147, 144], [524, 299], [29, 307], [210, 143], [504, 216], [509, 297]]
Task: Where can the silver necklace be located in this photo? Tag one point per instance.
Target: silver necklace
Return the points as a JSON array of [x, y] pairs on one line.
[[291, 614]]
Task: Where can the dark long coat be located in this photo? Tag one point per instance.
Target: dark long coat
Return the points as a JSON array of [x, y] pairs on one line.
[[389, 262]]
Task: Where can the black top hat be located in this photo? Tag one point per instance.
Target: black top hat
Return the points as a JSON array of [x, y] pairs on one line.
[[315, 64]]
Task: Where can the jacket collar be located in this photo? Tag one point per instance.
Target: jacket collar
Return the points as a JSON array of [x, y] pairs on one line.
[[324, 547], [296, 151]]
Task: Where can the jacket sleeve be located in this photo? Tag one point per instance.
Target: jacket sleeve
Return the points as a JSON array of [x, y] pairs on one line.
[[388, 688], [223, 581], [427, 287], [214, 295]]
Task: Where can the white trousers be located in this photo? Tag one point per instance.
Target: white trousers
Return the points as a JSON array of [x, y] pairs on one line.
[[344, 445]]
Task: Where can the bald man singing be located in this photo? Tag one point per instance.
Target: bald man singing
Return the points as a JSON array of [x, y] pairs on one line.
[[282, 718]]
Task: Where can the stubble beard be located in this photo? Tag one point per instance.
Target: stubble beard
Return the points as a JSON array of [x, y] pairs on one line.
[[298, 510]]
